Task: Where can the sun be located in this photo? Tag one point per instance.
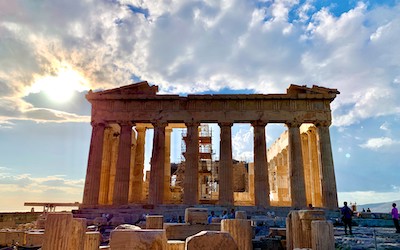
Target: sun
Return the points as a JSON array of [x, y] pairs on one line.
[[61, 86]]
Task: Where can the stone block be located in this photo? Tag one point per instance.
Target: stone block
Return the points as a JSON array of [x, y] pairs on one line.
[[57, 231], [276, 231], [77, 234], [144, 239], [240, 230], [2, 238], [34, 238], [176, 245], [15, 237], [211, 240], [92, 240], [322, 235], [180, 231], [196, 215], [154, 221]]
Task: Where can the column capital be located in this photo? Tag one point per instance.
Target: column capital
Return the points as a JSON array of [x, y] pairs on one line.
[[324, 123], [294, 123], [140, 129], [159, 123], [192, 124], [125, 123], [225, 124], [259, 123]]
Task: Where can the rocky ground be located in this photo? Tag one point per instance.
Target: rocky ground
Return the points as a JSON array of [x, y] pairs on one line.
[[367, 238]]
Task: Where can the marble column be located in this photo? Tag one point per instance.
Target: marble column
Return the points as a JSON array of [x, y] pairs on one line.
[[137, 182], [190, 185], [261, 180], [132, 189], [328, 182], [307, 168], [93, 172], [106, 166], [225, 165], [315, 167], [121, 184], [113, 167], [156, 186], [296, 169], [167, 165]]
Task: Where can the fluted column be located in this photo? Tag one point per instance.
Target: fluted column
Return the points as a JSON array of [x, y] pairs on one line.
[[261, 180], [105, 166], [132, 189], [315, 165], [93, 172], [167, 165], [121, 184], [296, 169], [225, 165], [190, 186], [307, 168], [137, 183], [156, 186], [328, 182], [114, 159]]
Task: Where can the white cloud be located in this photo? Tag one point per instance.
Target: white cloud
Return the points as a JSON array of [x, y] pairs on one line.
[[191, 46], [242, 144], [377, 143]]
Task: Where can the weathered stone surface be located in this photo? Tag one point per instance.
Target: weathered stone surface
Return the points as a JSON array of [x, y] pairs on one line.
[[143, 239], [196, 215], [299, 227], [92, 240], [77, 234], [176, 245], [322, 235], [34, 238], [211, 240], [8, 238], [241, 232], [180, 231], [57, 231], [154, 221]]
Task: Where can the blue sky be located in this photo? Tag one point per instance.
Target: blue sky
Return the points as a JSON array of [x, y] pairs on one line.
[[53, 52]]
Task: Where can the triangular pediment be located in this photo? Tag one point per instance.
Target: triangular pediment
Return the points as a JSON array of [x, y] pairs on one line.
[[139, 88]]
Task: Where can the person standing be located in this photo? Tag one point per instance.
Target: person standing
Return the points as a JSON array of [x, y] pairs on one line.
[[395, 217], [347, 215]]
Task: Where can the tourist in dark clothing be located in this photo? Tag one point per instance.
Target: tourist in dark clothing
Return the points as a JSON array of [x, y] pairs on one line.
[[395, 217], [347, 215]]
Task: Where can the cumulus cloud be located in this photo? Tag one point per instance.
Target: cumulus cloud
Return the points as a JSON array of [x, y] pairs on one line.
[[378, 143], [191, 46], [242, 144]]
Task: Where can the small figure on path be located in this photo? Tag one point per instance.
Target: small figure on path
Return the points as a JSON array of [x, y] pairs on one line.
[[232, 214], [347, 215], [368, 210], [395, 217], [225, 215]]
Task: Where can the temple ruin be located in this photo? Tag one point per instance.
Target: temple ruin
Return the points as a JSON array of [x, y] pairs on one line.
[[291, 174]]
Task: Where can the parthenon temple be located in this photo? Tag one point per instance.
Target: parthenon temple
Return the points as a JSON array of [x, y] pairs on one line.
[[295, 171]]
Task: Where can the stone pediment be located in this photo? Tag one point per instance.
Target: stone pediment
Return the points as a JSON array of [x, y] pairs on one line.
[[140, 88], [306, 92]]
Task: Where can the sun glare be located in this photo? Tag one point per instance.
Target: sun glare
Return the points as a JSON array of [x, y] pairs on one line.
[[60, 87]]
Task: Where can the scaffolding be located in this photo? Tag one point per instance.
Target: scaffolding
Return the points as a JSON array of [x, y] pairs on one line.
[[207, 168]]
